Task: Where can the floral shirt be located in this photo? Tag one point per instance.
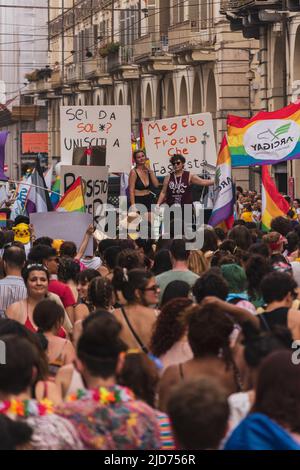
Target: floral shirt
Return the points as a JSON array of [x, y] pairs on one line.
[[121, 423], [50, 431]]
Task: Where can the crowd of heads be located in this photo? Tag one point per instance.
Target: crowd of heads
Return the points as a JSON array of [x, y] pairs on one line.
[[198, 320]]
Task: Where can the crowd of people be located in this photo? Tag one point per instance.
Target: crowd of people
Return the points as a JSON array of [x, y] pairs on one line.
[[147, 345]]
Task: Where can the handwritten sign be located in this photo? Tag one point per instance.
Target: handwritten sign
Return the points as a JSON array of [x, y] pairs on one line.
[[104, 130], [68, 226], [95, 186], [180, 135]]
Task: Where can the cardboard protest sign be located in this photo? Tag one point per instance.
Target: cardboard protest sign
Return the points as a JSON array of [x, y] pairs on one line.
[[97, 136], [180, 135], [95, 186], [68, 226]]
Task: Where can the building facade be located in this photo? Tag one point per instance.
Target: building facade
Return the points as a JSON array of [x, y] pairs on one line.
[[163, 58], [276, 25], [24, 46]]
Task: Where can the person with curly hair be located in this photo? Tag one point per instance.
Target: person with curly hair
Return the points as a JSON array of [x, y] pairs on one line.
[[209, 332], [169, 338]]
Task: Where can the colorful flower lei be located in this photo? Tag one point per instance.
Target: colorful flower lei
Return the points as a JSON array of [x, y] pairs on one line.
[[26, 408], [104, 396]]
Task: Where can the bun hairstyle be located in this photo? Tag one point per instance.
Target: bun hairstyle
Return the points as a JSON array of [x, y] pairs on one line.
[[128, 281], [100, 344], [129, 259], [100, 292]]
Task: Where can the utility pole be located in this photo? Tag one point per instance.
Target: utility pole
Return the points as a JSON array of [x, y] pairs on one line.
[[63, 40]]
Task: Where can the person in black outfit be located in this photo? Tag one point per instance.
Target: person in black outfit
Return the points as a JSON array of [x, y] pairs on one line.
[[279, 292], [141, 179]]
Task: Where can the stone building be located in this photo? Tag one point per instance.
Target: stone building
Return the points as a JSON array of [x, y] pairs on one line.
[[163, 58]]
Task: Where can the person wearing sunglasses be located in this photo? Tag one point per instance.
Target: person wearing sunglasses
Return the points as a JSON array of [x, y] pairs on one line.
[[177, 187]]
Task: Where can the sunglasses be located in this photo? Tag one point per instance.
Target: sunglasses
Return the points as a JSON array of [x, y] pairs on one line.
[[177, 163], [153, 288]]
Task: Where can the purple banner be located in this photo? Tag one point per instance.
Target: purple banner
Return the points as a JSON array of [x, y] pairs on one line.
[[3, 137]]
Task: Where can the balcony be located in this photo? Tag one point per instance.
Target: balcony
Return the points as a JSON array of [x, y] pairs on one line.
[[121, 64], [73, 72], [43, 86], [191, 42], [249, 15], [242, 5], [151, 52], [56, 79], [103, 77], [74, 76]]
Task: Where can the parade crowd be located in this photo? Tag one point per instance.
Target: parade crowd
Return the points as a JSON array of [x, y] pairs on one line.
[[146, 345]]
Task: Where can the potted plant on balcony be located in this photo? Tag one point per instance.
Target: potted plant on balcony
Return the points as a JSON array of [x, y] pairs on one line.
[[44, 73], [113, 47], [32, 76]]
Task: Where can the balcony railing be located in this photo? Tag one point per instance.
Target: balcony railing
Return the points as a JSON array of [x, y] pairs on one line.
[[124, 56], [73, 72], [227, 5], [56, 78], [150, 45], [89, 67], [192, 32]]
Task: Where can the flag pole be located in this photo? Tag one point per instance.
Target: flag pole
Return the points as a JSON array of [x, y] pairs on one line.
[[30, 184]]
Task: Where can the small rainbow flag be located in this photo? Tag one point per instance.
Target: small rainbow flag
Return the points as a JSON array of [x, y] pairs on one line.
[[266, 138], [73, 199], [222, 213], [273, 204], [3, 219]]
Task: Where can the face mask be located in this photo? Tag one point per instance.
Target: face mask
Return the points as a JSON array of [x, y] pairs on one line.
[[22, 233]]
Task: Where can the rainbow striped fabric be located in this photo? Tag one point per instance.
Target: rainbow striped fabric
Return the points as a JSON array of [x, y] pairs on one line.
[[266, 138], [222, 213], [3, 219], [273, 204], [73, 199]]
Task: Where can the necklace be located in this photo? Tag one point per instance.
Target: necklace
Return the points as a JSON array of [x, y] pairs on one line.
[[26, 408], [103, 395]]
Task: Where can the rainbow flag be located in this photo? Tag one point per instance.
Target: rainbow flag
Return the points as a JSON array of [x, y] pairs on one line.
[[222, 213], [73, 199], [273, 204], [3, 219], [266, 138], [142, 139]]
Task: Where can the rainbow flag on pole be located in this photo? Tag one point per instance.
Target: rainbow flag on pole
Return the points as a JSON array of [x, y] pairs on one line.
[[273, 204], [222, 212], [265, 139], [73, 199]]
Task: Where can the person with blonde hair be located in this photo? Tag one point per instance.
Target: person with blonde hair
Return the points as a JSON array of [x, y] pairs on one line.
[[197, 263]]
